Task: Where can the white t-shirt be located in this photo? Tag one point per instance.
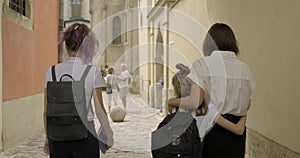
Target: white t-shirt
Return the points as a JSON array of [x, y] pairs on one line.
[[206, 122], [226, 80], [75, 67], [124, 74], [112, 80]]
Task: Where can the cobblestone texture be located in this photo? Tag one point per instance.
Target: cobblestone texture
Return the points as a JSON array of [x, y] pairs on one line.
[[132, 137]]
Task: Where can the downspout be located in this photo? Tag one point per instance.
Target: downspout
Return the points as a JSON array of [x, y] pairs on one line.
[[61, 28], [1, 66], [104, 7], [167, 61]]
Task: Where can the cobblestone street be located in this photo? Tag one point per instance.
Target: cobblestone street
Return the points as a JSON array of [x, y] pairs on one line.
[[132, 137]]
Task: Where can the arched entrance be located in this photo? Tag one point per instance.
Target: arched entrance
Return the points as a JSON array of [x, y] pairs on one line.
[[158, 70], [158, 57]]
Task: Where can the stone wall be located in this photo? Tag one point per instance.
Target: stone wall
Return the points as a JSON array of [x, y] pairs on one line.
[[258, 146]]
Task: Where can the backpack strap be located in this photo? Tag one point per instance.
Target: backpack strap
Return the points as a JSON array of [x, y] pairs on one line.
[[66, 75], [85, 73], [53, 73], [87, 69]]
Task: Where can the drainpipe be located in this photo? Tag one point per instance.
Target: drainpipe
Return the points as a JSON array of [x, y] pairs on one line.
[[104, 8], [1, 113], [61, 28], [167, 60]]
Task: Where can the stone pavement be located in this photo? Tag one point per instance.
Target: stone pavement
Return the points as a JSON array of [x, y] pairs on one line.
[[132, 137]]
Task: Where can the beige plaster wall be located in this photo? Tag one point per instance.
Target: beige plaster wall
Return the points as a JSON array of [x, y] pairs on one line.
[[148, 30], [144, 47], [148, 36], [181, 51], [188, 25], [268, 34], [22, 118], [196, 10]]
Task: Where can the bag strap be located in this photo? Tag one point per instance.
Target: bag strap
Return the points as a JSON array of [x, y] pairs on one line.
[[188, 110], [85, 72], [53, 73], [66, 75]]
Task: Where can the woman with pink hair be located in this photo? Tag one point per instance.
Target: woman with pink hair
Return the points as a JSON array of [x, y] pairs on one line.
[[81, 46]]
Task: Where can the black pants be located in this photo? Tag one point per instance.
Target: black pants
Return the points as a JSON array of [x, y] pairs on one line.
[[86, 148], [221, 143]]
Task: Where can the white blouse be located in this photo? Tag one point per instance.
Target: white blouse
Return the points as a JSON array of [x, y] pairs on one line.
[[226, 80], [206, 122]]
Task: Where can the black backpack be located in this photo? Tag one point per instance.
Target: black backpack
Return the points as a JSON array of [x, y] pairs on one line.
[[176, 136], [66, 108]]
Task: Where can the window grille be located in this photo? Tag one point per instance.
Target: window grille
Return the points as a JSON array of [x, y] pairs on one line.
[[18, 6]]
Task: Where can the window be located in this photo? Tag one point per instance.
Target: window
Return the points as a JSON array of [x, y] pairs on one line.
[[76, 9], [116, 30], [141, 21], [75, 1], [19, 11], [126, 28], [19, 6]]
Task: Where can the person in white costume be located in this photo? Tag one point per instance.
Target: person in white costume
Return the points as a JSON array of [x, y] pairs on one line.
[[124, 79]]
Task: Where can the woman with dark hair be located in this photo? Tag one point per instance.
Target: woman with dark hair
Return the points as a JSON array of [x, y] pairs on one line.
[[182, 88], [81, 46], [224, 81]]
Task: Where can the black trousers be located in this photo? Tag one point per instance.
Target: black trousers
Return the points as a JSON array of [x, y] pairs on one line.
[[86, 148], [221, 143]]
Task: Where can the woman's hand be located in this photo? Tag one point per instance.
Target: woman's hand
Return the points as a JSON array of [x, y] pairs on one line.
[[110, 142], [170, 107], [249, 104], [241, 125], [46, 146]]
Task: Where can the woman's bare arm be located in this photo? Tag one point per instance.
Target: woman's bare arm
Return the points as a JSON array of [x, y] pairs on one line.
[[102, 115], [234, 128], [46, 146], [45, 111], [192, 101], [122, 78]]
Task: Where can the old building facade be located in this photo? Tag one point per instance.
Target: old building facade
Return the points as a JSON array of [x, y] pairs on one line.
[[151, 37], [70, 12], [29, 46], [115, 23]]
